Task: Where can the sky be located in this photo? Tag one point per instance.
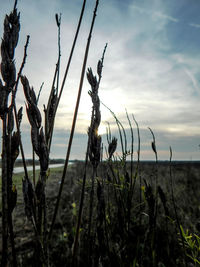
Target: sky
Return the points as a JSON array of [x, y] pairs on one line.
[[151, 69]]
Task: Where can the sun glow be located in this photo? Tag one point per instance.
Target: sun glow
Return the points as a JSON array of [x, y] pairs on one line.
[[102, 129]]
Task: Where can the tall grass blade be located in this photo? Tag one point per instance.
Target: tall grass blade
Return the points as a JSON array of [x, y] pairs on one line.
[[75, 116]]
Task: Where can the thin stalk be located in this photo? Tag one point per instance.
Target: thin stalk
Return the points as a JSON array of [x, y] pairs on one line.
[[20, 70], [138, 151], [74, 121], [54, 92], [46, 248], [21, 145], [15, 109], [106, 228], [71, 53], [81, 203], [15, 5], [108, 133], [130, 194], [12, 239], [115, 183], [154, 145], [138, 169], [132, 146], [9, 191], [40, 90], [4, 259], [46, 110], [75, 246], [175, 208], [156, 184], [56, 80], [59, 54], [34, 175], [33, 153], [43, 218], [91, 207], [119, 124], [41, 226], [67, 69], [154, 230]]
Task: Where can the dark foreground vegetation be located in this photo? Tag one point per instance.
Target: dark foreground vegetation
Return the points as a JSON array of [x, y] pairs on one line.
[[117, 238], [116, 211]]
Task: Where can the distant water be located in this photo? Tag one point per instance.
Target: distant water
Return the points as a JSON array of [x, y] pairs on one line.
[[30, 168]]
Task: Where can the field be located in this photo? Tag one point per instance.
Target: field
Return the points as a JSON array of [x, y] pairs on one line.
[[121, 249]]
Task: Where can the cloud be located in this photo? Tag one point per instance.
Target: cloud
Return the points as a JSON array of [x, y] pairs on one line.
[[194, 25], [154, 13], [164, 16], [193, 80]]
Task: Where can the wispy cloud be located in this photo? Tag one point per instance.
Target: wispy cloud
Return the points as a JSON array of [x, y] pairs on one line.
[[193, 80], [164, 16], [194, 25], [154, 13]]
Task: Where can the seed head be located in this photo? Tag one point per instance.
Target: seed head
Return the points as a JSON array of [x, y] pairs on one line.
[[43, 152], [14, 147], [11, 32], [35, 139], [99, 68], [153, 145], [112, 147], [39, 190], [91, 78], [19, 115], [28, 197], [8, 72], [52, 107], [57, 20], [10, 120], [3, 99]]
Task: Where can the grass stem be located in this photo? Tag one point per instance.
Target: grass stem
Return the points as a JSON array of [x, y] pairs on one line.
[[74, 118]]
